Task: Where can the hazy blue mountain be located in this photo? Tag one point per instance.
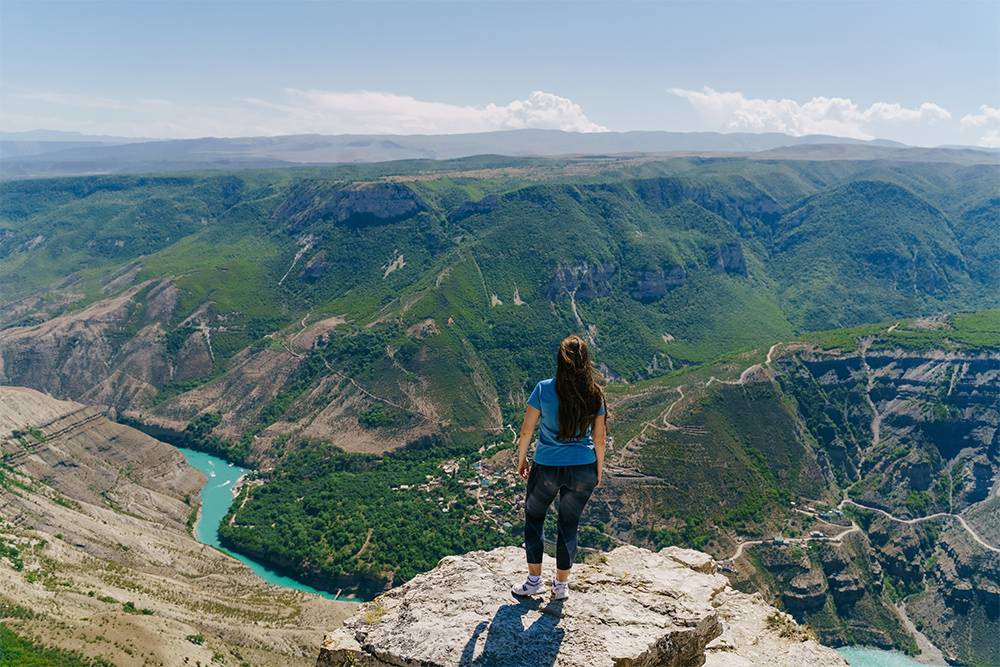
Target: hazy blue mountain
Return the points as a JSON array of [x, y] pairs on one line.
[[16, 145], [39, 157], [63, 136]]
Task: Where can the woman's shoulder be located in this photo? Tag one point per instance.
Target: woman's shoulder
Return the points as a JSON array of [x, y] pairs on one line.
[[546, 387]]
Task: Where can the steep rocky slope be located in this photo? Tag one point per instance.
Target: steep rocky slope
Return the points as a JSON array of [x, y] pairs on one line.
[[97, 557], [917, 435], [892, 468], [629, 607]]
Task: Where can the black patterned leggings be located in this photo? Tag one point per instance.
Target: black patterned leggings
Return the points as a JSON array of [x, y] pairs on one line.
[[573, 485]]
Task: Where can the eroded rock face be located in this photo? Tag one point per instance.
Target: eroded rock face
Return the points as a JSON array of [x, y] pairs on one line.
[[584, 281], [632, 607], [652, 285], [729, 258], [917, 432], [938, 409], [806, 592], [85, 356], [356, 203]]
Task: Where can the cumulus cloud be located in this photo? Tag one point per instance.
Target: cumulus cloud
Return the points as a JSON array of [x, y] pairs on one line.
[[987, 119], [311, 111], [928, 111], [386, 113], [838, 116], [987, 116]]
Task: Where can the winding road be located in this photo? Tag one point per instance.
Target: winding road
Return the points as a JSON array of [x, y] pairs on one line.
[[794, 540], [855, 527], [930, 517]]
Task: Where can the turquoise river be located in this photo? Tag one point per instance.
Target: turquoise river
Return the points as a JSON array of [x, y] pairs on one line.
[[216, 498], [859, 656]]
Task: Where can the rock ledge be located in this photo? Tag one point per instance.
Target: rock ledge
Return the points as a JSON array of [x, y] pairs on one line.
[[629, 608]]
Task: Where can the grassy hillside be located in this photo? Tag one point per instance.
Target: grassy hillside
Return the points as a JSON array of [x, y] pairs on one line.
[[730, 462], [891, 251]]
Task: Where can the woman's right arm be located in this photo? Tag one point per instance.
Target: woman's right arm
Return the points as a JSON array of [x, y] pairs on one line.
[[531, 415]]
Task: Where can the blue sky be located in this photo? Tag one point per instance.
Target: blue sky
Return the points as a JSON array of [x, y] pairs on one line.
[[922, 72]]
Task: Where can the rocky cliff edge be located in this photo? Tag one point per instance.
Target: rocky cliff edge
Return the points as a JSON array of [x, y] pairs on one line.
[[629, 607]]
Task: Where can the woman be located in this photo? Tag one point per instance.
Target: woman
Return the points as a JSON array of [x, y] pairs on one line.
[[568, 460]]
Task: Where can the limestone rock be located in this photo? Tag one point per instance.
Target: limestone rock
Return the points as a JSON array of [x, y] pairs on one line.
[[318, 201], [754, 633], [698, 561], [652, 285], [583, 281], [630, 607], [729, 258]]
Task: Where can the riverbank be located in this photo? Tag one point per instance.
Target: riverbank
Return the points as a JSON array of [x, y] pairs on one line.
[[216, 498]]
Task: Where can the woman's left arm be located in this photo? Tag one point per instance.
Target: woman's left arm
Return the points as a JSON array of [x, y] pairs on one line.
[[531, 415], [600, 440]]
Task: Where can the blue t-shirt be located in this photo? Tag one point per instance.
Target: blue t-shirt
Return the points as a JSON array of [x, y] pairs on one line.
[[549, 450]]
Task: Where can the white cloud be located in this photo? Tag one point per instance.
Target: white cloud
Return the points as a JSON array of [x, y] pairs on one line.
[[988, 119], [299, 112], [987, 116], [928, 111], [838, 116], [386, 113]]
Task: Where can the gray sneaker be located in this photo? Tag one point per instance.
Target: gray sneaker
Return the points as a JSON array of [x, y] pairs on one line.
[[526, 588], [560, 590]]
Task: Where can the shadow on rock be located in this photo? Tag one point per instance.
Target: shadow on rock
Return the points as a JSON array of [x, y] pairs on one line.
[[509, 643]]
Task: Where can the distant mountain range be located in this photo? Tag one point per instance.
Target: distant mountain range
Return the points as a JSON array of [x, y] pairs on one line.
[[50, 153]]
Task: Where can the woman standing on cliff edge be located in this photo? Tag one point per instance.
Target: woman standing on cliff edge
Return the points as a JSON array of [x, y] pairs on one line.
[[568, 461]]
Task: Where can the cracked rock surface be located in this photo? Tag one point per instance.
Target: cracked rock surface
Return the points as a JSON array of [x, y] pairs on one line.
[[629, 607]]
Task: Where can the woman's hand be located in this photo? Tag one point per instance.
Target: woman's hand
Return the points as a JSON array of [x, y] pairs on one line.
[[522, 467]]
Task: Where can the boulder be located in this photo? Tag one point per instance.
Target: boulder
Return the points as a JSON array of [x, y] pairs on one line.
[[755, 633], [629, 607]]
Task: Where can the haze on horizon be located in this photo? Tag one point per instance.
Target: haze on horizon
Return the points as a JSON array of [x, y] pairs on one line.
[[923, 73]]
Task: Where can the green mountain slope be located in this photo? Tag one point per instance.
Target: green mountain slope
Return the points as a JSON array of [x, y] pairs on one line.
[[889, 250], [365, 336], [263, 300]]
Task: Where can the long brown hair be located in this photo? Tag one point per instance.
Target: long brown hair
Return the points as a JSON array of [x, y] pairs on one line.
[[580, 396]]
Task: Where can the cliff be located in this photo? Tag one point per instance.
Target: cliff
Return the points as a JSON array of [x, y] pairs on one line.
[[629, 607]]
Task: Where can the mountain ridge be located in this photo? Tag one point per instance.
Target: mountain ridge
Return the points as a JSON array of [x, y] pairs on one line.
[[20, 159]]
